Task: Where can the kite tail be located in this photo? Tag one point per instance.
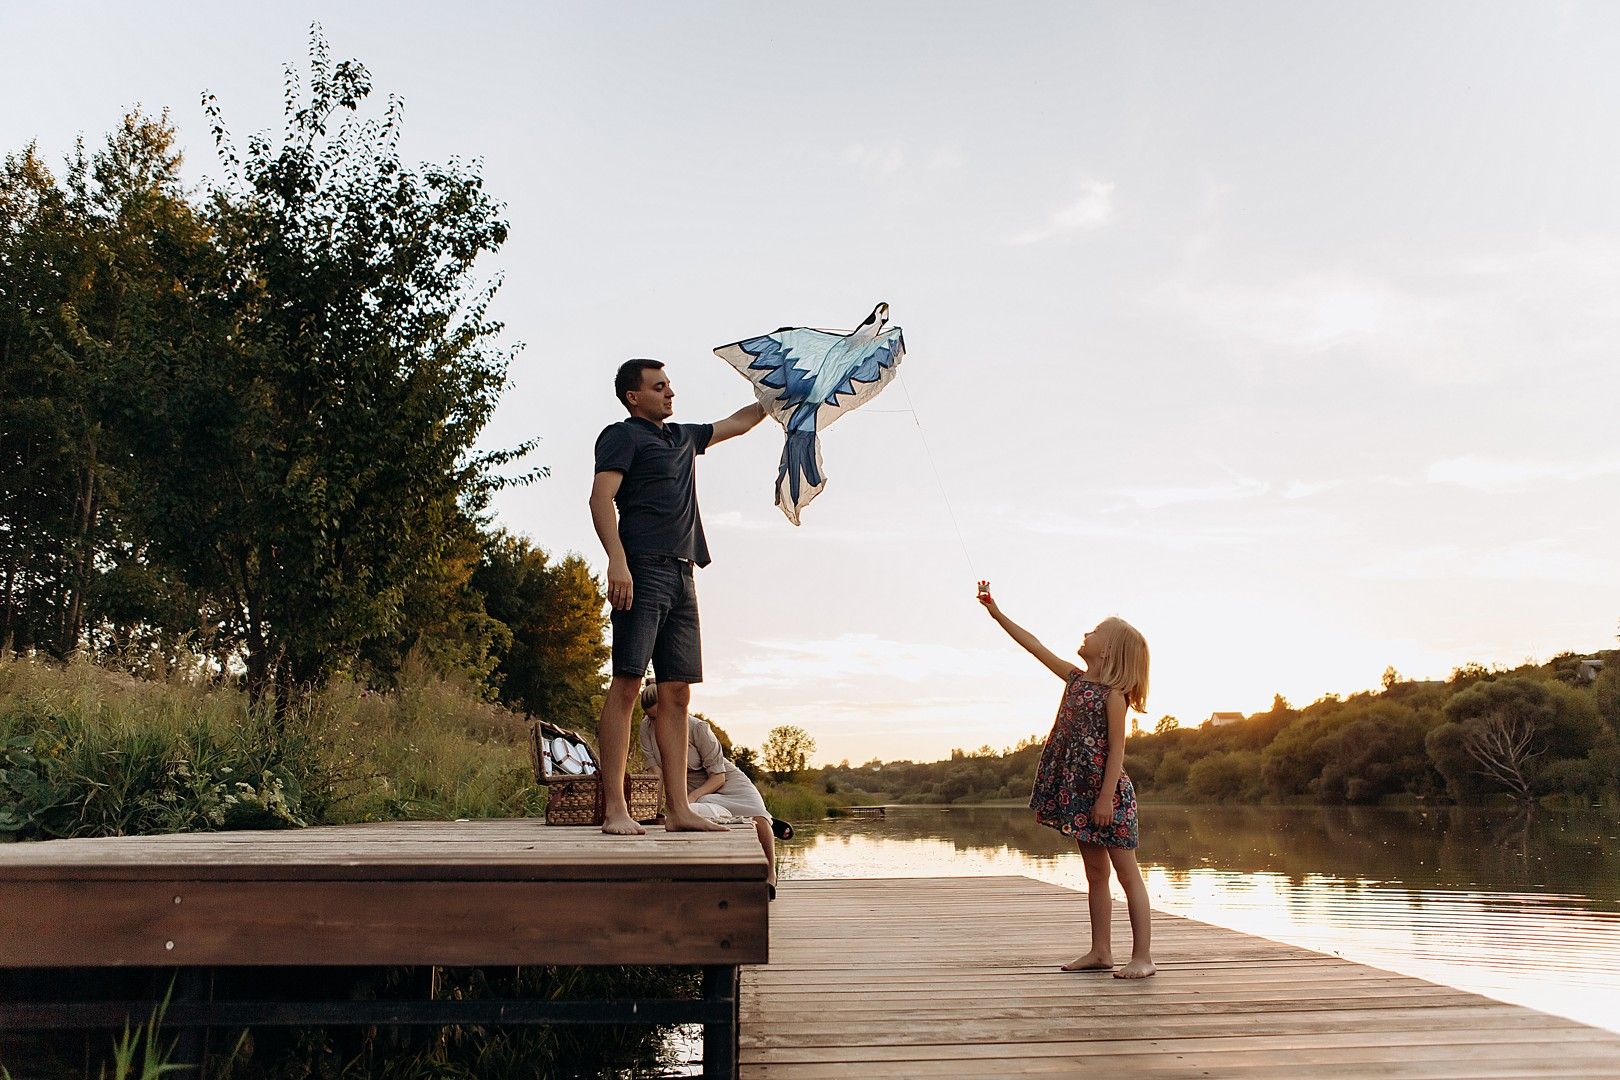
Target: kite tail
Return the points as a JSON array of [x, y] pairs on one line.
[[800, 478]]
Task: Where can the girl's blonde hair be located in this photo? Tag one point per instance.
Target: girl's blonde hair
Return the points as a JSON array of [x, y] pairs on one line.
[[1124, 663]]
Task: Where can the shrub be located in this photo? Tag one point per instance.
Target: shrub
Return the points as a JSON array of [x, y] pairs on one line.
[[1225, 777]]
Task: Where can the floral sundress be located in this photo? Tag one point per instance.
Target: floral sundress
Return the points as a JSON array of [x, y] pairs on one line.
[[1069, 777]]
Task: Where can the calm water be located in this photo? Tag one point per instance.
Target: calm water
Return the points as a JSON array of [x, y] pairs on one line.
[[1521, 909]]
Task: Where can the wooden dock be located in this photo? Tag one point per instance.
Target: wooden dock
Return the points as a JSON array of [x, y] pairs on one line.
[[926, 977], [494, 893], [499, 892]]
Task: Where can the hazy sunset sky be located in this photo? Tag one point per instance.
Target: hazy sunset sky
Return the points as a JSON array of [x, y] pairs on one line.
[[1288, 332]]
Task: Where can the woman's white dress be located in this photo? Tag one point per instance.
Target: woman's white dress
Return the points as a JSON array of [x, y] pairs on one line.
[[704, 758]]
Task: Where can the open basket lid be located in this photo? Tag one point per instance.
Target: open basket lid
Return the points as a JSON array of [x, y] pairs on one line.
[[562, 751]]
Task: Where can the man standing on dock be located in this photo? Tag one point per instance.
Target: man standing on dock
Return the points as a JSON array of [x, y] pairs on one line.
[[645, 509]]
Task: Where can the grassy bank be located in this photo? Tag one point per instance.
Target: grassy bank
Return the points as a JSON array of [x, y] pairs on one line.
[[85, 751]]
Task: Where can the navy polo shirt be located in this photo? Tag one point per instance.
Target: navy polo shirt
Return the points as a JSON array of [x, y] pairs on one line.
[[658, 507]]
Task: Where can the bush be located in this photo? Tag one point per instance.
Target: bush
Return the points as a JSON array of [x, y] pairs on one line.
[[797, 802], [1227, 777]]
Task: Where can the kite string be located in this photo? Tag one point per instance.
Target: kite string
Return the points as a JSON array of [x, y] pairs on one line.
[[938, 481]]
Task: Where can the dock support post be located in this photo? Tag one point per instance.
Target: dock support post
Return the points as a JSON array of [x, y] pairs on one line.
[[720, 983], [191, 986]]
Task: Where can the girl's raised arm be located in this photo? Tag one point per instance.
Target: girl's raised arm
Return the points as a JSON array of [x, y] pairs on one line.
[[1058, 666]]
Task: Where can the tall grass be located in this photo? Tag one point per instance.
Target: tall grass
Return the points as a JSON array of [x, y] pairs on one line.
[[800, 802], [86, 751]]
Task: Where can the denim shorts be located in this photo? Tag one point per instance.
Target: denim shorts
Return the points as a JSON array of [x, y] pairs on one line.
[[661, 624]]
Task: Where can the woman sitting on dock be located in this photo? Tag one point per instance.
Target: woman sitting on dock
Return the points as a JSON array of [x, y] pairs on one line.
[[714, 784]]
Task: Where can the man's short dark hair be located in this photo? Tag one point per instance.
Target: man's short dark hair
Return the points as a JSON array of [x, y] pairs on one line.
[[629, 377]]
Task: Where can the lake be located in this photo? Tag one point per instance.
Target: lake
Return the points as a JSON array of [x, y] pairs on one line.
[[1520, 908]]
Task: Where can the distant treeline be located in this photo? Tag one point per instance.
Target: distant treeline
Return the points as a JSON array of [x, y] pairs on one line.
[[239, 427], [1535, 732]]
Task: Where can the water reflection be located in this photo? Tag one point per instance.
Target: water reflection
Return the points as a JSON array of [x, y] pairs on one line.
[[1522, 908]]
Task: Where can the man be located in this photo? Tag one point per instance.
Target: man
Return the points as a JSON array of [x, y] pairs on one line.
[[647, 468]]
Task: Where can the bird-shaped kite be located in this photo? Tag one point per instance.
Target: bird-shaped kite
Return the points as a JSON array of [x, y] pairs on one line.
[[807, 379]]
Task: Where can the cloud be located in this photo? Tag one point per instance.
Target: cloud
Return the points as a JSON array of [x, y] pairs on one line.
[[876, 161], [1448, 321], [1485, 474], [1153, 498], [736, 519], [1249, 530], [947, 156], [1536, 560], [780, 663], [1301, 489], [1092, 209]]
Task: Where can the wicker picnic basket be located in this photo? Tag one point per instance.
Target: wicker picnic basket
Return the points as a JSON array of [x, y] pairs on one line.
[[579, 799]]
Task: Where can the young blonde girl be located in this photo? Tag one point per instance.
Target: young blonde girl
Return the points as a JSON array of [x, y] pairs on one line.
[[1080, 786]]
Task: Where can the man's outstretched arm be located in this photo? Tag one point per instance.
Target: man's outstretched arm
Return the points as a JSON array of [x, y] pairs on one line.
[[738, 422]]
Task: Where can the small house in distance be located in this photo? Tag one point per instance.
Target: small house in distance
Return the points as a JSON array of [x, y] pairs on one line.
[[1587, 670], [1221, 719]]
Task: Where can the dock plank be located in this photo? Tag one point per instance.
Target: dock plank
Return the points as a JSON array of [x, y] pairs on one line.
[[957, 977]]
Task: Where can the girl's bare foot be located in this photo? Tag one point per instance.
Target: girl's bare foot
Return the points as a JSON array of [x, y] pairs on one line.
[[621, 825], [1092, 961], [1136, 969], [690, 822]]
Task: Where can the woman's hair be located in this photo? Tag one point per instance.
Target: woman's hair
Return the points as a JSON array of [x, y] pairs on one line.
[[649, 697], [1124, 663]]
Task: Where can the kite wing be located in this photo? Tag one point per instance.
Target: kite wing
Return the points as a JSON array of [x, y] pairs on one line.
[[808, 378], [782, 366]]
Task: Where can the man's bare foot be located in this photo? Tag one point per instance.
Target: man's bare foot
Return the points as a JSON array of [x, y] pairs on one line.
[[1092, 961], [621, 825], [1136, 969], [690, 822]]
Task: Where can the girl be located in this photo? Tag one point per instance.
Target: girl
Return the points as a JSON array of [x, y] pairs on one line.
[[1080, 786]]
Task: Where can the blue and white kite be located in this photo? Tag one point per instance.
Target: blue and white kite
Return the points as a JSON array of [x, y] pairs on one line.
[[809, 378]]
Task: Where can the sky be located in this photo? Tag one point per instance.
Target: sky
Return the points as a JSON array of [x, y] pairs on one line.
[[1285, 331]]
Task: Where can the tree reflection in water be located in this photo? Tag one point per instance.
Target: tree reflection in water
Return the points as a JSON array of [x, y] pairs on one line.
[[1523, 906]]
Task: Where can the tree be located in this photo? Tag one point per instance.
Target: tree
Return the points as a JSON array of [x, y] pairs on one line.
[[97, 277], [553, 664], [1164, 724], [1606, 692], [743, 757], [444, 620], [1502, 745], [787, 751], [311, 464], [43, 261], [1494, 727], [1225, 777]]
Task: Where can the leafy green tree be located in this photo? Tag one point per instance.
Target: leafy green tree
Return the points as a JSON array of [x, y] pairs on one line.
[[1606, 692], [787, 751], [552, 666], [444, 621], [1495, 729], [745, 759], [98, 276], [43, 260], [1225, 777], [311, 465], [1380, 751]]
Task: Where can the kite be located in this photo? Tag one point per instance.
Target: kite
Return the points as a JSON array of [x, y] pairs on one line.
[[808, 378]]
